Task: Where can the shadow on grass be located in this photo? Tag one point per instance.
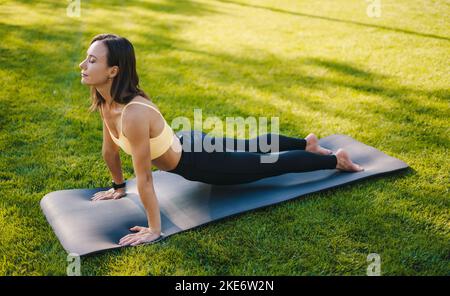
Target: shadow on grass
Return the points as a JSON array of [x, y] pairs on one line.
[[404, 105], [392, 29]]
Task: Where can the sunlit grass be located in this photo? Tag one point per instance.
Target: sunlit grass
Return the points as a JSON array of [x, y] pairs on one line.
[[320, 66]]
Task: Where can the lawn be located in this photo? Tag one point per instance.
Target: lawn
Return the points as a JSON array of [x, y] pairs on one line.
[[320, 66]]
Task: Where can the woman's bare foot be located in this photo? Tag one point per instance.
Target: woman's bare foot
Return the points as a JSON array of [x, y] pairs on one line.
[[312, 145], [344, 162]]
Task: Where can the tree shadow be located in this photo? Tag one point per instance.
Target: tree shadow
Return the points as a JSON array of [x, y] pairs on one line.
[[403, 103], [172, 7], [397, 30]]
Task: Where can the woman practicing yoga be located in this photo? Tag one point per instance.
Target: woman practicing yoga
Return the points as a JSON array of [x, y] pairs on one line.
[[132, 122]]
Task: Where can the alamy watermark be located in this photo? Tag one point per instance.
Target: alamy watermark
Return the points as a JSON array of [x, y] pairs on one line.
[[374, 267], [74, 265], [256, 127], [74, 8], [373, 8]]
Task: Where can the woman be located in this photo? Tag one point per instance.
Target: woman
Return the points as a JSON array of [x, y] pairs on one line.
[[132, 122]]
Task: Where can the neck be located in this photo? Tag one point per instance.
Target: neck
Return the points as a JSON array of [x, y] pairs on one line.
[[105, 91]]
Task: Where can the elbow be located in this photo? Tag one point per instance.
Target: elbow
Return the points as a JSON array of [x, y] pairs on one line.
[[106, 154]]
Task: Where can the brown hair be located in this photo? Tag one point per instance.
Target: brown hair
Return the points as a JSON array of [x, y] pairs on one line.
[[125, 85]]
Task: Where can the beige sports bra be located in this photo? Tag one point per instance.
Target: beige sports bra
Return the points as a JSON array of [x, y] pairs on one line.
[[158, 144]]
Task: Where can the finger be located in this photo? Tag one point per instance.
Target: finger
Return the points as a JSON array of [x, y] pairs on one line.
[[102, 197], [99, 197], [137, 242], [131, 235], [152, 238], [118, 195], [100, 192], [130, 240], [95, 196], [128, 236], [125, 240], [137, 228], [108, 195]]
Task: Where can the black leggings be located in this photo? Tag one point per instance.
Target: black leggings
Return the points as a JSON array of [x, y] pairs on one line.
[[235, 167]]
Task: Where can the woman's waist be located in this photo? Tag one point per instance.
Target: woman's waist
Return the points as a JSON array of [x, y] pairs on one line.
[[188, 140]]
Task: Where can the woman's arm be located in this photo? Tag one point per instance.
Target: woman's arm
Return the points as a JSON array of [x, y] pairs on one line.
[[112, 160], [136, 130], [110, 153]]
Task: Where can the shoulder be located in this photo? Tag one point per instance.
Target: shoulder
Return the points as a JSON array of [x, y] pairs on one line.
[[135, 122], [139, 97], [136, 109]]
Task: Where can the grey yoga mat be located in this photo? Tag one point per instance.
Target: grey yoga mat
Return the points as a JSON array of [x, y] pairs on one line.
[[85, 227]]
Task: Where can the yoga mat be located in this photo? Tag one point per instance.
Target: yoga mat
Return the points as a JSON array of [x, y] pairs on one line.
[[84, 227]]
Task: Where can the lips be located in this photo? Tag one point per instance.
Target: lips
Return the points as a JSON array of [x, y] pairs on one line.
[[84, 75]]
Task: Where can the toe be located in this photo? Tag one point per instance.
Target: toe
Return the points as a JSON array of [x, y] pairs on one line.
[[358, 167]]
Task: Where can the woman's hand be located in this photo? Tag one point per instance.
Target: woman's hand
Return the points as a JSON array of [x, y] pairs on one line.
[[109, 194], [144, 235]]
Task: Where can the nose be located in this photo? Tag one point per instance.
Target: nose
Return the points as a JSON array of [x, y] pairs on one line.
[[82, 64]]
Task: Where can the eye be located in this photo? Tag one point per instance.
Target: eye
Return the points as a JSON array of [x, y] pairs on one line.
[[90, 59]]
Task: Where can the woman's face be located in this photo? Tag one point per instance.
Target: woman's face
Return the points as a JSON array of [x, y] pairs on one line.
[[94, 69]]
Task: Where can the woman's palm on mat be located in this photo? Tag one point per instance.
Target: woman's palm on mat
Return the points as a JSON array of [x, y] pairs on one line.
[[109, 194], [143, 235]]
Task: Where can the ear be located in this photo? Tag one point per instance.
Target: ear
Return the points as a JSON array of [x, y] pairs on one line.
[[113, 71]]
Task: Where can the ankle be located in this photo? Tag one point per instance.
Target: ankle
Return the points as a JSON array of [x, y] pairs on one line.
[[336, 162], [303, 144]]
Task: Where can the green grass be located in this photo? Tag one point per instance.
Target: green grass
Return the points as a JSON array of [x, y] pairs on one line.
[[320, 66]]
